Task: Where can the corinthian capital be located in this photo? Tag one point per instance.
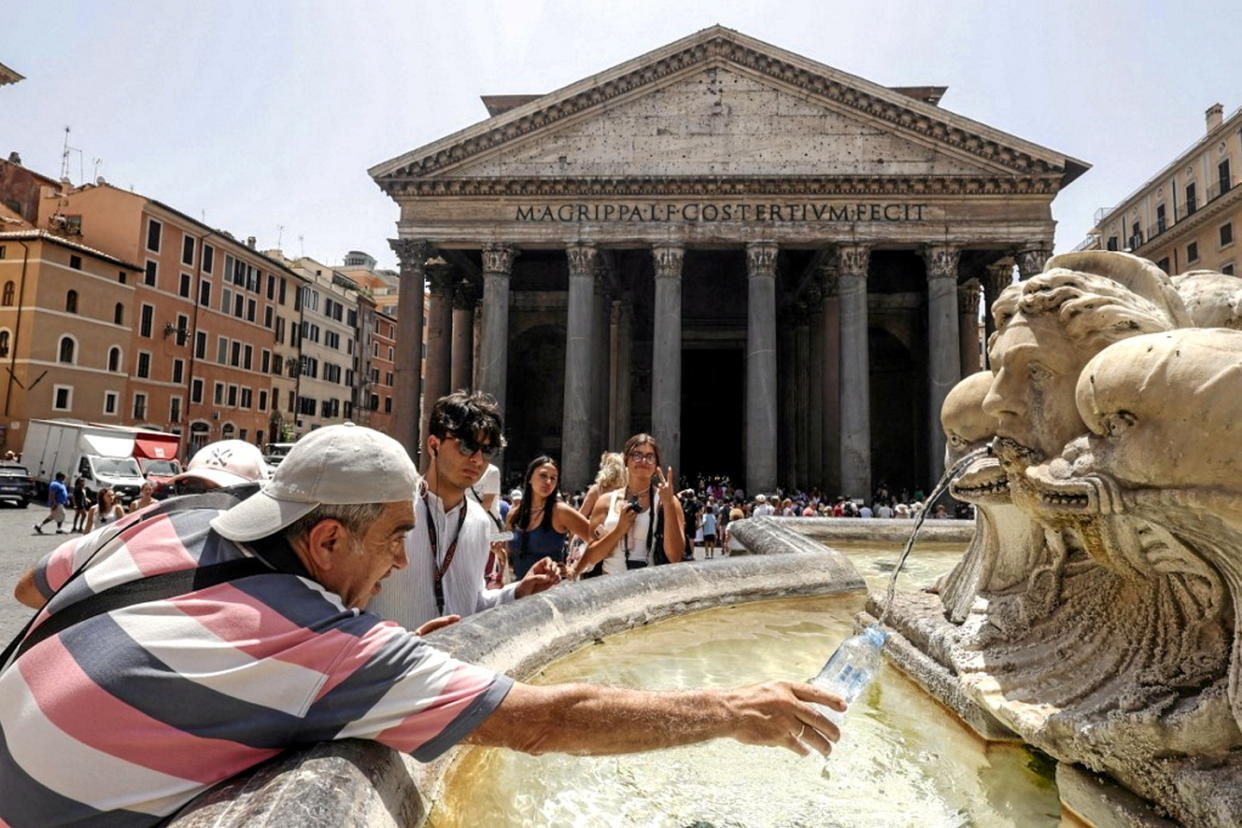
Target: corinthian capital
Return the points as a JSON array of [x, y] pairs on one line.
[[854, 259], [941, 261], [968, 297], [498, 257], [761, 258], [440, 275], [667, 259], [411, 253], [1031, 259], [582, 258]]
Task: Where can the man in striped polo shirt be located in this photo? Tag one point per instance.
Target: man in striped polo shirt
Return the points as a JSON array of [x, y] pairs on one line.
[[124, 716]]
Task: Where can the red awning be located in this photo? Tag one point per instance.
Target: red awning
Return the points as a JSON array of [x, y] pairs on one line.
[[151, 448]]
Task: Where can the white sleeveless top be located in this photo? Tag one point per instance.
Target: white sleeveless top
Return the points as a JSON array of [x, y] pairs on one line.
[[635, 540]]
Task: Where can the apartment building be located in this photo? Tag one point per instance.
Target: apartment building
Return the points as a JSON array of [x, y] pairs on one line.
[[202, 316], [1187, 216], [380, 387], [65, 331]]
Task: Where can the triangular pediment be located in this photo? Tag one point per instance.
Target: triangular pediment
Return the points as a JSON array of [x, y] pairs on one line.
[[721, 121], [721, 104]]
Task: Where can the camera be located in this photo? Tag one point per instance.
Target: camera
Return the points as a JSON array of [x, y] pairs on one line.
[[634, 506]]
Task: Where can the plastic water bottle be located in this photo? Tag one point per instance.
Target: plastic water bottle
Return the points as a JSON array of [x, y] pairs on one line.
[[851, 669]]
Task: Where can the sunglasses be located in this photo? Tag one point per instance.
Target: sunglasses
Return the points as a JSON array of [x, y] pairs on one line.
[[468, 448]]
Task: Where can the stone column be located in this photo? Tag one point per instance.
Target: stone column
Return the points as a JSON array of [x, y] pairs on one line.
[[831, 377], [600, 361], [408, 367], [802, 395], [494, 332], [1032, 258], [438, 374], [666, 354], [855, 370], [968, 326], [619, 369], [815, 369], [464, 301], [944, 353], [996, 278], [761, 367], [576, 413], [787, 461]]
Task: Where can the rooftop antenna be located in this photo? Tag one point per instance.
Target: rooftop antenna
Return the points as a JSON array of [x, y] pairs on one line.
[[64, 159], [301, 248], [95, 174], [280, 235]]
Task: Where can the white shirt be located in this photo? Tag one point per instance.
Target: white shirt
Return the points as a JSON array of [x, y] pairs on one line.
[[489, 484], [763, 510], [635, 539], [408, 595]]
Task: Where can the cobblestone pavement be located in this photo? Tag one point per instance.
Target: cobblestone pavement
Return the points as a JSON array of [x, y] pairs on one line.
[[19, 550]]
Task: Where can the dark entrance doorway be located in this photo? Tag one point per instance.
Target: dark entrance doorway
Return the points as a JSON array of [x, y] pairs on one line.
[[712, 383]]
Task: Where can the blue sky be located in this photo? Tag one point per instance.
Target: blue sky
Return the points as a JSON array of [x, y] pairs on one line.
[[261, 115]]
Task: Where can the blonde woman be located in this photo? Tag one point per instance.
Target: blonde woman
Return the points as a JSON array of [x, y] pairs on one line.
[[610, 478]]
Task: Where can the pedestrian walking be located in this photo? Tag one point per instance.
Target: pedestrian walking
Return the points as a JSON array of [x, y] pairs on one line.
[[57, 500], [80, 504]]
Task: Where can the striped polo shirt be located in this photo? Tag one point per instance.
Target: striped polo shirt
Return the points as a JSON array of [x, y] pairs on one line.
[[123, 718]]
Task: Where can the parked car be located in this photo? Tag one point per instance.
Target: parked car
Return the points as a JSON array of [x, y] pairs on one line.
[[16, 484]]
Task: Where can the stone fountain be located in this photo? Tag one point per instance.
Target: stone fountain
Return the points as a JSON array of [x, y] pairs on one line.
[[1095, 613]]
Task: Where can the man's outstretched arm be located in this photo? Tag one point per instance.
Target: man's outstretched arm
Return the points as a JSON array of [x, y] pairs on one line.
[[592, 719]]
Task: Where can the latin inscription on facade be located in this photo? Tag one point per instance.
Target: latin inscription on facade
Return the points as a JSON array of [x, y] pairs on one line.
[[693, 212]]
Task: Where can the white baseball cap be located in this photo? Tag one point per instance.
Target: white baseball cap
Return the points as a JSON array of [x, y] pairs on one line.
[[337, 465], [225, 463]]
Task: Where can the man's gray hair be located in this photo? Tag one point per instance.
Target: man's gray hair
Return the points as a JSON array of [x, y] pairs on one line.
[[353, 516]]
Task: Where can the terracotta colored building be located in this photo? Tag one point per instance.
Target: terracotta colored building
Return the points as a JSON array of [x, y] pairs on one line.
[[379, 389], [65, 331]]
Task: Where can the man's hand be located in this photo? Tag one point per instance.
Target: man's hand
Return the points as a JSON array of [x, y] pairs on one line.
[[777, 713], [437, 624], [545, 573]]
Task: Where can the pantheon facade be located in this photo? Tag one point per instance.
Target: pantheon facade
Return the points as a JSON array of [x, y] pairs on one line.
[[773, 266]]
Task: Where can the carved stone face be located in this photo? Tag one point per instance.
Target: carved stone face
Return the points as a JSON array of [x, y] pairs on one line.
[[1031, 398], [968, 427], [1164, 410]]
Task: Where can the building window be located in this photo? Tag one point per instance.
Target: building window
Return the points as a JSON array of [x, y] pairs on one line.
[[1191, 206], [250, 310], [226, 300], [1161, 221], [217, 395], [4, 343], [196, 390], [114, 359], [387, 405], [178, 371], [247, 357], [140, 406], [183, 289], [183, 328], [1136, 236], [154, 230], [144, 365], [200, 345], [62, 397], [227, 431], [262, 399], [71, 302], [245, 397], [151, 273], [237, 351], [1226, 234], [146, 321], [1112, 243], [1224, 180], [174, 410], [1227, 269], [267, 317], [187, 254], [110, 402], [222, 350], [1192, 252], [6, 298], [75, 262], [209, 258], [66, 349], [239, 305], [122, 277], [1163, 264], [118, 314], [2, 251], [271, 286], [232, 396], [204, 294]]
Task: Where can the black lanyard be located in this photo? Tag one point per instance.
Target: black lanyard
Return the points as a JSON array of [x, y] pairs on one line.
[[437, 570]]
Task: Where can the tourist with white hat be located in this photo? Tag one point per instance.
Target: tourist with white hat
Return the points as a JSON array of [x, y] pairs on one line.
[[204, 641]]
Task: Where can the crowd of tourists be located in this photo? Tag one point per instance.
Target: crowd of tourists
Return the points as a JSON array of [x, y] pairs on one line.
[[182, 643]]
